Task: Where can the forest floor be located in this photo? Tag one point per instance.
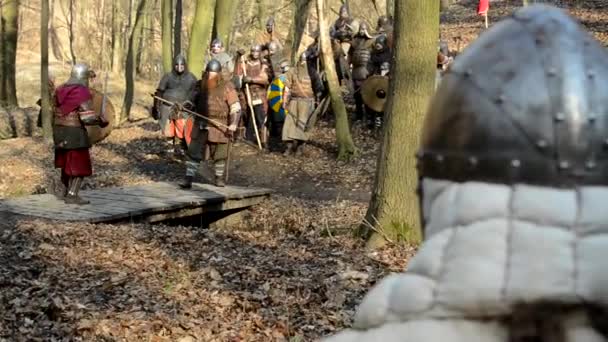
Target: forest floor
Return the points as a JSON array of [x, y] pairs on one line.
[[292, 271]]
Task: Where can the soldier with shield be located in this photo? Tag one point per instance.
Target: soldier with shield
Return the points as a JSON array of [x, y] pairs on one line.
[[176, 87], [73, 113], [216, 99], [276, 104]]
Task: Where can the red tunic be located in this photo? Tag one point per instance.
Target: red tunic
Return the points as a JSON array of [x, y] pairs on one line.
[[74, 162]]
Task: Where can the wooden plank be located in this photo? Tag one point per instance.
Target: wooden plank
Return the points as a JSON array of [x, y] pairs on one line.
[[154, 200]]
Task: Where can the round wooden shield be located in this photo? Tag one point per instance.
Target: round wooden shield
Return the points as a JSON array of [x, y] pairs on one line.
[[96, 133], [374, 92], [275, 97]]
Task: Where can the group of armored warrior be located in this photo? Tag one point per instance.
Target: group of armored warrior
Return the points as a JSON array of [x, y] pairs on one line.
[[255, 96], [258, 96]]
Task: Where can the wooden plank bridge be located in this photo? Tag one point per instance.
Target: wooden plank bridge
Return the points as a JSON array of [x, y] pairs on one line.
[[153, 202]]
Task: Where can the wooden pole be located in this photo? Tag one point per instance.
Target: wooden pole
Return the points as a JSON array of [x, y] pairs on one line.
[[250, 104]]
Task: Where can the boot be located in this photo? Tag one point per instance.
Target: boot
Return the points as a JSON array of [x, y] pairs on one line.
[[297, 150], [220, 181], [72, 195], [288, 149], [219, 167], [187, 183]]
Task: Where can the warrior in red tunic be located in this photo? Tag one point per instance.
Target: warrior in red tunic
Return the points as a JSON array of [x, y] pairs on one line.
[[73, 112]]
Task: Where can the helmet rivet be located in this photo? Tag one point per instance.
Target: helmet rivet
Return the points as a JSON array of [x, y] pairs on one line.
[[590, 74], [541, 143], [560, 117], [564, 164], [590, 165], [472, 161], [501, 99], [552, 72], [439, 158], [515, 163], [468, 73], [592, 117]]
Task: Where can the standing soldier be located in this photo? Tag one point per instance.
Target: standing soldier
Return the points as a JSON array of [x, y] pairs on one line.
[[273, 59], [342, 33], [269, 35], [385, 26], [176, 86], [258, 80], [73, 112], [359, 57], [381, 55], [217, 52], [215, 98], [313, 64], [299, 101]]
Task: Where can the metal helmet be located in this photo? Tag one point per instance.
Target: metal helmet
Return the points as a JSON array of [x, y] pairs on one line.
[[216, 43], [214, 66], [273, 47], [381, 42], [538, 117], [270, 24], [383, 22], [255, 51], [80, 74], [344, 12], [180, 60], [364, 30]]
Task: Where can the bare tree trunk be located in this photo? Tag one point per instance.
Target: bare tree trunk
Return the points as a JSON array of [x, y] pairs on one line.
[[301, 11], [45, 104], [116, 38], [56, 46], [167, 24], [346, 146], [71, 31], [390, 8], [393, 208], [10, 28], [130, 63], [200, 36], [225, 12], [262, 10], [103, 34], [143, 34], [177, 32]]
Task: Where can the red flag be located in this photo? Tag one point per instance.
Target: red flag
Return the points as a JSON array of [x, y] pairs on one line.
[[484, 6]]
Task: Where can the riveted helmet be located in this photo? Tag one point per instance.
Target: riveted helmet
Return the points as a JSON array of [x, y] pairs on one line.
[[214, 66], [273, 47], [216, 43], [80, 74], [538, 117], [179, 63], [270, 24], [344, 12]]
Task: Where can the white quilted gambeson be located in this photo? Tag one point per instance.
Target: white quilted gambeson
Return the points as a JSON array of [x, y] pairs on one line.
[[488, 249]]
